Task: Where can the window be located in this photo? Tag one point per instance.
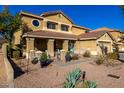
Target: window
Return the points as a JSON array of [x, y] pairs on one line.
[[51, 25], [35, 23], [64, 27]]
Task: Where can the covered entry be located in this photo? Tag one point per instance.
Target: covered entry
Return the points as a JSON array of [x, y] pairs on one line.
[[47, 40]]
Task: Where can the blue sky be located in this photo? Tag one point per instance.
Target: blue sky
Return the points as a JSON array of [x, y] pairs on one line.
[[92, 16]]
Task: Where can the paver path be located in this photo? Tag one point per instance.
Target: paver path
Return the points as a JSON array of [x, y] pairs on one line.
[[54, 75]]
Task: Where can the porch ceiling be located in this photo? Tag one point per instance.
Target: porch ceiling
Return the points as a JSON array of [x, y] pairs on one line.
[[50, 34]]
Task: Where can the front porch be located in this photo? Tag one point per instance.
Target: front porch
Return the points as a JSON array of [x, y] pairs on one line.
[[50, 42], [51, 46]]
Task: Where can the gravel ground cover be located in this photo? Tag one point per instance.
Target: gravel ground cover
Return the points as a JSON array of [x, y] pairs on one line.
[[54, 75]]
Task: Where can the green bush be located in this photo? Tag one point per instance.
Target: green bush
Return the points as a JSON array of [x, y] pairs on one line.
[[87, 53], [89, 84], [68, 53], [99, 60], [72, 78], [16, 54], [75, 57], [43, 57], [112, 55]]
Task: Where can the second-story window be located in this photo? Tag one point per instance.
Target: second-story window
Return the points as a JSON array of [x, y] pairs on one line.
[[51, 25], [64, 27]]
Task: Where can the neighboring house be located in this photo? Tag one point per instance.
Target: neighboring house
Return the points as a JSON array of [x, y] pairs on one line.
[[115, 34], [54, 30]]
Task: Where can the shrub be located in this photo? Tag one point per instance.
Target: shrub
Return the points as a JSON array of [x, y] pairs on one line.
[[68, 56], [43, 57], [89, 84], [75, 57], [87, 53], [68, 53], [99, 60], [112, 55], [72, 78], [16, 54], [35, 60]]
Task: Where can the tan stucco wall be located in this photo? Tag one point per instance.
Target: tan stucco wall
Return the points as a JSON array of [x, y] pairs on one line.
[[28, 21], [77, 31], [8, 68], [58, 20], [88, 45], [17, 37], [61, 19], [29, 44], [50, 47], [105, 37], [77, 47], [65, 45], [107, 41]]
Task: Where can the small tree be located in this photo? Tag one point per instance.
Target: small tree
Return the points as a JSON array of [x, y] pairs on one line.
[[9, 24], [103, 49]]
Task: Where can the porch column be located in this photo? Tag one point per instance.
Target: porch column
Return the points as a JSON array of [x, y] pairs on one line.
[[29, 46], [76, 46], [65, 45], [50, 47]]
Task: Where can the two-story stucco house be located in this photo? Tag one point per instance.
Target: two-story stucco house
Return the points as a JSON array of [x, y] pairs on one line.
[[54, 30]]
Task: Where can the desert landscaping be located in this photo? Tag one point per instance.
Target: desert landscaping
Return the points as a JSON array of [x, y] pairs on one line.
[[54, 75]]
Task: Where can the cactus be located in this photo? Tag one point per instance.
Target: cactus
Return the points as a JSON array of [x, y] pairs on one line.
[[72, 78]]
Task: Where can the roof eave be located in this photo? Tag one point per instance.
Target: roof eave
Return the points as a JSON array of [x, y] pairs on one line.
[[36, 36], [31, 15], [88, 38]]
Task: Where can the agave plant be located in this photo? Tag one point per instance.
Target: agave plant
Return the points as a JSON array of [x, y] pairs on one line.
[[72, 78], [89, 84]]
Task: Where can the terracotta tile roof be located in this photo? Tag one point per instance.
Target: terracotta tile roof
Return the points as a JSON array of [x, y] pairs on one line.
[[51, 13], [94, 34], [104, 29], [80, 27], [107, 30], [30, 15], [50, 34], [91, 35]]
